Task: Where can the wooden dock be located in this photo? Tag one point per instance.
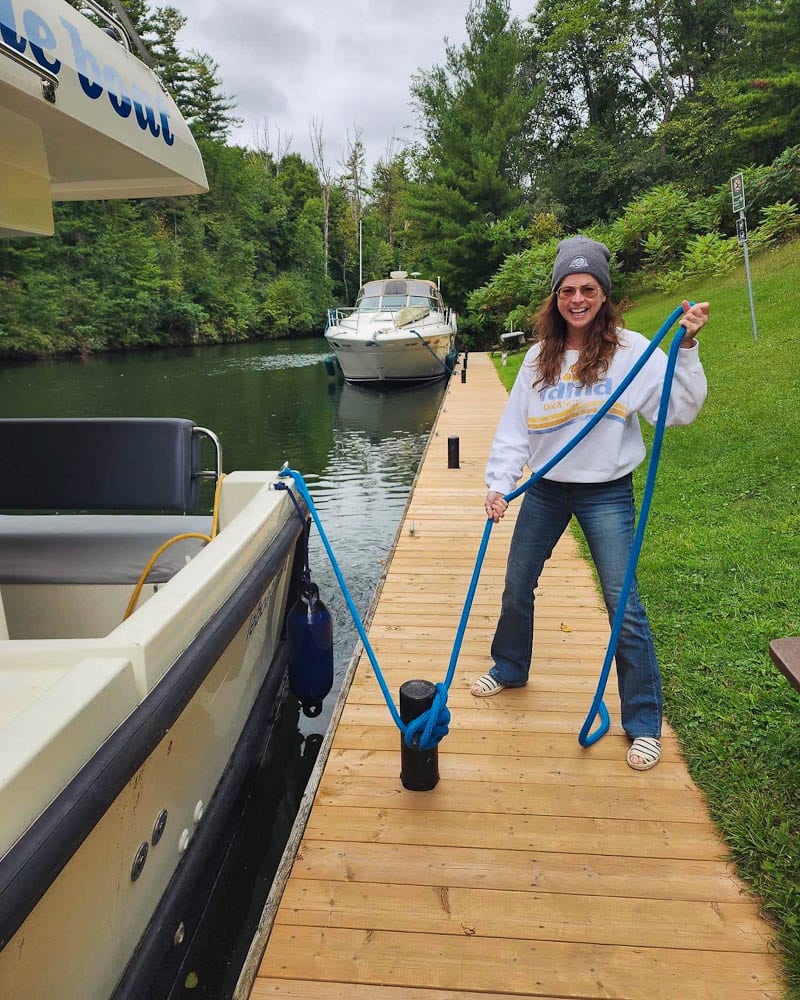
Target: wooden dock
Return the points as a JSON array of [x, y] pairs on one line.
[[536, 868]]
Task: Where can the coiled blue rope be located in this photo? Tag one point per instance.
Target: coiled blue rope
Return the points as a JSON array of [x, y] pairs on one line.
[[432, 726]]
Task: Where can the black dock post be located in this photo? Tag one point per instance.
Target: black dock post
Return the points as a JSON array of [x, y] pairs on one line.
[[452, 452], [419, 769]]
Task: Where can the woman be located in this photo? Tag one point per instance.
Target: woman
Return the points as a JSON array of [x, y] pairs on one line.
[[581, 356]]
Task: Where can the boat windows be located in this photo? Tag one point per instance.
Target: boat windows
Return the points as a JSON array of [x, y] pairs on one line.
[[369, 303], [388, 296]]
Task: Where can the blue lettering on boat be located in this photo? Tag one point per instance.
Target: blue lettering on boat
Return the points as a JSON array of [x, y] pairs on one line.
[[94, 79]]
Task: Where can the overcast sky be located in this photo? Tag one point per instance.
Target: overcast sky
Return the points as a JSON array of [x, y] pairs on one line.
[[348, 63]]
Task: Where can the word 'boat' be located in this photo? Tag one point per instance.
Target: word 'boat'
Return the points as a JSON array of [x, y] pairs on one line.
[[81, 117]]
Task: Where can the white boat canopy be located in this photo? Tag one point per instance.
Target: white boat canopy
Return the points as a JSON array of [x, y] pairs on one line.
[[81, 117]]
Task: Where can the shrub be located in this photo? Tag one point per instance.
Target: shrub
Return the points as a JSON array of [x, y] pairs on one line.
[[666, 210], [780, 222], [286, 306], [709, 254]]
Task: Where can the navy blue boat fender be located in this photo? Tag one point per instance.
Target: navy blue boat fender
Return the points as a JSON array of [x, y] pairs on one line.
[[310, 632]]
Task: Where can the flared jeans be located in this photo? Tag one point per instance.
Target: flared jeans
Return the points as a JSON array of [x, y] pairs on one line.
[[606, 514]]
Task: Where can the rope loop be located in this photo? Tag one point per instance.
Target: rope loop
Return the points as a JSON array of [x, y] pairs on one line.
[[434, 723]]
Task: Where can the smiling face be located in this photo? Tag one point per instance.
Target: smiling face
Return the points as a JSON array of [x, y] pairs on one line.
[[579, 308]]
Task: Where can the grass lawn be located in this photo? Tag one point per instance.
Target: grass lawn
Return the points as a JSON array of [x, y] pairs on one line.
[[720, 574]]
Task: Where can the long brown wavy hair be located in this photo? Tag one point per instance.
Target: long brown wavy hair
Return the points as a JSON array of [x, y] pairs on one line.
[[602, 339]]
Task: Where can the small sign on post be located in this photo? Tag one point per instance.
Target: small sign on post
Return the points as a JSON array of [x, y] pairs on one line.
[[737, 193], [738, 202]]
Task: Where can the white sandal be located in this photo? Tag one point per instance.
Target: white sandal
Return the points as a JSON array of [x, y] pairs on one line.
[[486, 686], [648, 749]]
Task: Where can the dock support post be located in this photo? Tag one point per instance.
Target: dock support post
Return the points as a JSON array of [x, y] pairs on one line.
[[419, 769], [452, 453]]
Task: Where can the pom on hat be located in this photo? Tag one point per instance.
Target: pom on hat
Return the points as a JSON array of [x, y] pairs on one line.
[[580, 255]]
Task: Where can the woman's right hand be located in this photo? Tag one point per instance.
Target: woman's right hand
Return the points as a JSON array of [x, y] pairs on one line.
[[495, 505]]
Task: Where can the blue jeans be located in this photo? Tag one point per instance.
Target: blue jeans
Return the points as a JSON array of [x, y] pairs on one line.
[[606, 514]]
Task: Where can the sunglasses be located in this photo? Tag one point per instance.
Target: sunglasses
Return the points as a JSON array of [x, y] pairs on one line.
[[587, 291]]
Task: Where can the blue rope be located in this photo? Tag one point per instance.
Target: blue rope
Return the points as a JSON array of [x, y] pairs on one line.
[[302, 489], [432, 726], [585, 737]]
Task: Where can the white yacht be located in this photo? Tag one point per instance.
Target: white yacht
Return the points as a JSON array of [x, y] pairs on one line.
[[399, 332]]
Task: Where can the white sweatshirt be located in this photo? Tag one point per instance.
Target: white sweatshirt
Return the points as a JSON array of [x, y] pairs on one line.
[[536, 424]]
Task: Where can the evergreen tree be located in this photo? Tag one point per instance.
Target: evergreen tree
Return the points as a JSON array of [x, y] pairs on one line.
[[473, 112], [206, 107], [172, 66]]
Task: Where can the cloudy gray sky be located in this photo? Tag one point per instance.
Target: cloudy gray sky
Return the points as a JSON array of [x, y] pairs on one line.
[[347, 63]]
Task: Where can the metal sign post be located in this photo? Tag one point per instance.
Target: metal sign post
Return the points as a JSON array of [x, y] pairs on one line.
[[737, 199]]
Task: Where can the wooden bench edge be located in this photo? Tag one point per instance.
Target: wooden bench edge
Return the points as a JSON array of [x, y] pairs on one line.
[[785, 655]]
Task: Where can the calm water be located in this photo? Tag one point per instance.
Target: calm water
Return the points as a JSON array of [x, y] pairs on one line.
[[358, 451]]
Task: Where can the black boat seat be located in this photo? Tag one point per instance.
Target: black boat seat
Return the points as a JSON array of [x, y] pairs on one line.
[[104, 463], [97, 548], [102, 468]]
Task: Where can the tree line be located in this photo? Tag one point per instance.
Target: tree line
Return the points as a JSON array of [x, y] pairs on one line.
[[623, 119]]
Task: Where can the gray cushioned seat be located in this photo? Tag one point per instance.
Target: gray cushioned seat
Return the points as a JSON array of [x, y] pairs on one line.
[[96, 548]]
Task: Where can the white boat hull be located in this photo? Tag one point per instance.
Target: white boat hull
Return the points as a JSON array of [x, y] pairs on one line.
[[86, 697], [392, 357], [399, 332]]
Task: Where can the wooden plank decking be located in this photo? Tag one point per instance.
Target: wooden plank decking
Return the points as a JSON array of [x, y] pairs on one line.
[[536, 868]]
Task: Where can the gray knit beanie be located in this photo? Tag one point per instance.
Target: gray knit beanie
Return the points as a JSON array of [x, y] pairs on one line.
[[580, 255]]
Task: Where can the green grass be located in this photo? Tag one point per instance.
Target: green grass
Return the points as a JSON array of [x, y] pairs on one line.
[[720, 575]]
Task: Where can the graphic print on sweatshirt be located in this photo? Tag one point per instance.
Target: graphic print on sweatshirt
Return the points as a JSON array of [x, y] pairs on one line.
[[558, 406]]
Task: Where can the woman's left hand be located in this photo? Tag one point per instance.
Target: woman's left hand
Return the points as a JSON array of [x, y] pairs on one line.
[[694, 319]]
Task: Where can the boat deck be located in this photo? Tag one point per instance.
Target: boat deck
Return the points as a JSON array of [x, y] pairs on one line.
[[535, 868]]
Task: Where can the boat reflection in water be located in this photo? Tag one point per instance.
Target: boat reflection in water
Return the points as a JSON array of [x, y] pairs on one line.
[[379, 413]]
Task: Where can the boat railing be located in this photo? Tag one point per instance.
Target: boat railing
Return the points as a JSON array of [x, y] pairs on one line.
[[339, 313], [116, 25], [48, 80]]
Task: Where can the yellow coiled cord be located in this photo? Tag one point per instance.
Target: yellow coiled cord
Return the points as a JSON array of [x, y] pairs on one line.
[[171, 541]]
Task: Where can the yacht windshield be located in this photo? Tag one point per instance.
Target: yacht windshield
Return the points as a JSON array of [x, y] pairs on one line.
[[369, 303], [394, 294]]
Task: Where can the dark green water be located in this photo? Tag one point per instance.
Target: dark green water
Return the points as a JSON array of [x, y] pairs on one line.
[[358, 450]]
